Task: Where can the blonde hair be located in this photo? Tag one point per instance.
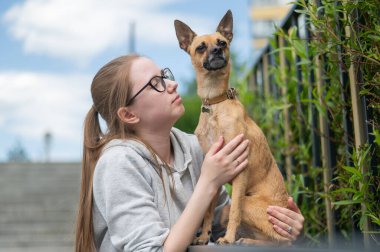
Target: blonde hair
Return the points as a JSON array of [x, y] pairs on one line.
[[110, 90]]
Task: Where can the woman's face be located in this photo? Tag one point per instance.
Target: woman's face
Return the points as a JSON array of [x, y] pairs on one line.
[[155, 109]]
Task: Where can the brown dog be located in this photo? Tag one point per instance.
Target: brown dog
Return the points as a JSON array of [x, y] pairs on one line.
[[261, 183]]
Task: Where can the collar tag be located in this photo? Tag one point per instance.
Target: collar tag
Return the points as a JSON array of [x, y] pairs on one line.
[[205, 109], [231, 93]]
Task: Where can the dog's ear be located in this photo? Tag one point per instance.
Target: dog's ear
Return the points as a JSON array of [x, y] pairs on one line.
[[184, 34], [226, 25]]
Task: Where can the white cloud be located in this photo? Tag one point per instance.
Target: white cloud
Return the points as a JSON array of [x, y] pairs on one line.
[[33, 103], [78, 30]]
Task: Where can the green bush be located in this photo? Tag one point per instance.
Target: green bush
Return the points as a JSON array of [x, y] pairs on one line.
[[189, 121], [355, 171]]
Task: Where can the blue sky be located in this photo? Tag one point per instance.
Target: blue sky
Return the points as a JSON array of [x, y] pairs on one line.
[[51, 49]]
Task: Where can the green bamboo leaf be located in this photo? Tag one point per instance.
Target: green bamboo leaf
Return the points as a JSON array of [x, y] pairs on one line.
[[304, 62], [346, 190], [358, 196], [374, 37], [374, 218], [346, 202], [281, 49], [376, 133], [282, 107], [301, 11], [352, 170], [300, 48]]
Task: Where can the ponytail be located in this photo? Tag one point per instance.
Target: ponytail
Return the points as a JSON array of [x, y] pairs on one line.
[[84, 240], [92, 131], [110, 90]]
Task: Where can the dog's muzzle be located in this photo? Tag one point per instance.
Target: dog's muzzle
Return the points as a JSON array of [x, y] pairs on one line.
[[215, 61]]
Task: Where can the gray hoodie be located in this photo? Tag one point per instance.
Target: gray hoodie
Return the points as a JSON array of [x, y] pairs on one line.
[[130, 209]]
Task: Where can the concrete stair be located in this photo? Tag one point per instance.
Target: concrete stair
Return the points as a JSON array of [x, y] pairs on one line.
[[38, 203]]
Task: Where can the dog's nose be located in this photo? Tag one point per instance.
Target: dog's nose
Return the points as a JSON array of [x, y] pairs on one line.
[[216, 50]]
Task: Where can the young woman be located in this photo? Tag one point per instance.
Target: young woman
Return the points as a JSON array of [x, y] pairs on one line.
[[146, 185]]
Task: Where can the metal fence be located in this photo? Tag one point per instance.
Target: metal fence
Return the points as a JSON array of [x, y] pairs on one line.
[[356, 118]]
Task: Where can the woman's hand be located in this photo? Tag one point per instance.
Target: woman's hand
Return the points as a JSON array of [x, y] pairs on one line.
[[287, 222], [222, 164]]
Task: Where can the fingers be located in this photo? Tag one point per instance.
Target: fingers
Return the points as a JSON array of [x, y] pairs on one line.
[[287, 223], [283, 213], [240, 167], [297, 215], [284, 229], [231, 145], [240, 152], [236, 150], [290, 235], [239, 158], [217, 146], [222, 164]]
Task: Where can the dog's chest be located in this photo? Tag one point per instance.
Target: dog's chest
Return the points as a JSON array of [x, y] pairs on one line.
[[208, 129], [217, 121]]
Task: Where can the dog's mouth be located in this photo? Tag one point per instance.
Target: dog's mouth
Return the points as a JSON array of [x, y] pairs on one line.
[[215, 62]]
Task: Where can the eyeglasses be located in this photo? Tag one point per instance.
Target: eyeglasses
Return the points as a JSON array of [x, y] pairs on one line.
[[157, 83]]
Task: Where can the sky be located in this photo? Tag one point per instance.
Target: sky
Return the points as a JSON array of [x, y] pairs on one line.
[[51, 49]]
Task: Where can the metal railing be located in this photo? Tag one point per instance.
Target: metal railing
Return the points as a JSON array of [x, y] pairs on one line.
[[355, 120]]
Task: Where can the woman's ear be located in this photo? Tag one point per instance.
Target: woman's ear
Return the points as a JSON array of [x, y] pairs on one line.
[[127, 116]]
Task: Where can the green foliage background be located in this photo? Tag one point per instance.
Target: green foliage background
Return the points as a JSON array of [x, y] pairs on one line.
[[350, 187], [188, 122]]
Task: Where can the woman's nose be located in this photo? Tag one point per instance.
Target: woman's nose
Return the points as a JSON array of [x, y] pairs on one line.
[[171, 86]]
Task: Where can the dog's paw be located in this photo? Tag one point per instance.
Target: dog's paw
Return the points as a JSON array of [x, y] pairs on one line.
[[201, 240], [243, 241], [222, 241]]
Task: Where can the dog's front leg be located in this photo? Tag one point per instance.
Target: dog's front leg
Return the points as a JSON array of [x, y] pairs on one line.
[[204, 237], [239, 185]]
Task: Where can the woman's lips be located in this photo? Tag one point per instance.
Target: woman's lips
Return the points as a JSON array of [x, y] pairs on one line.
[[177, 98]]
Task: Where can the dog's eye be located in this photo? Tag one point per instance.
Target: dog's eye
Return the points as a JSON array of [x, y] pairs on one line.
[[201, 48], [222, 43]]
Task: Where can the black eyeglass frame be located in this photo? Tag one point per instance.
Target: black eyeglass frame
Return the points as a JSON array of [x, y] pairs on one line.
[[163, 76]]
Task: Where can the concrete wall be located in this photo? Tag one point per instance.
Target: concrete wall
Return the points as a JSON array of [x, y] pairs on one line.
[[38, 203]]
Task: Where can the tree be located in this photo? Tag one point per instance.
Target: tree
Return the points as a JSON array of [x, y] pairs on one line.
[[18, 153]]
